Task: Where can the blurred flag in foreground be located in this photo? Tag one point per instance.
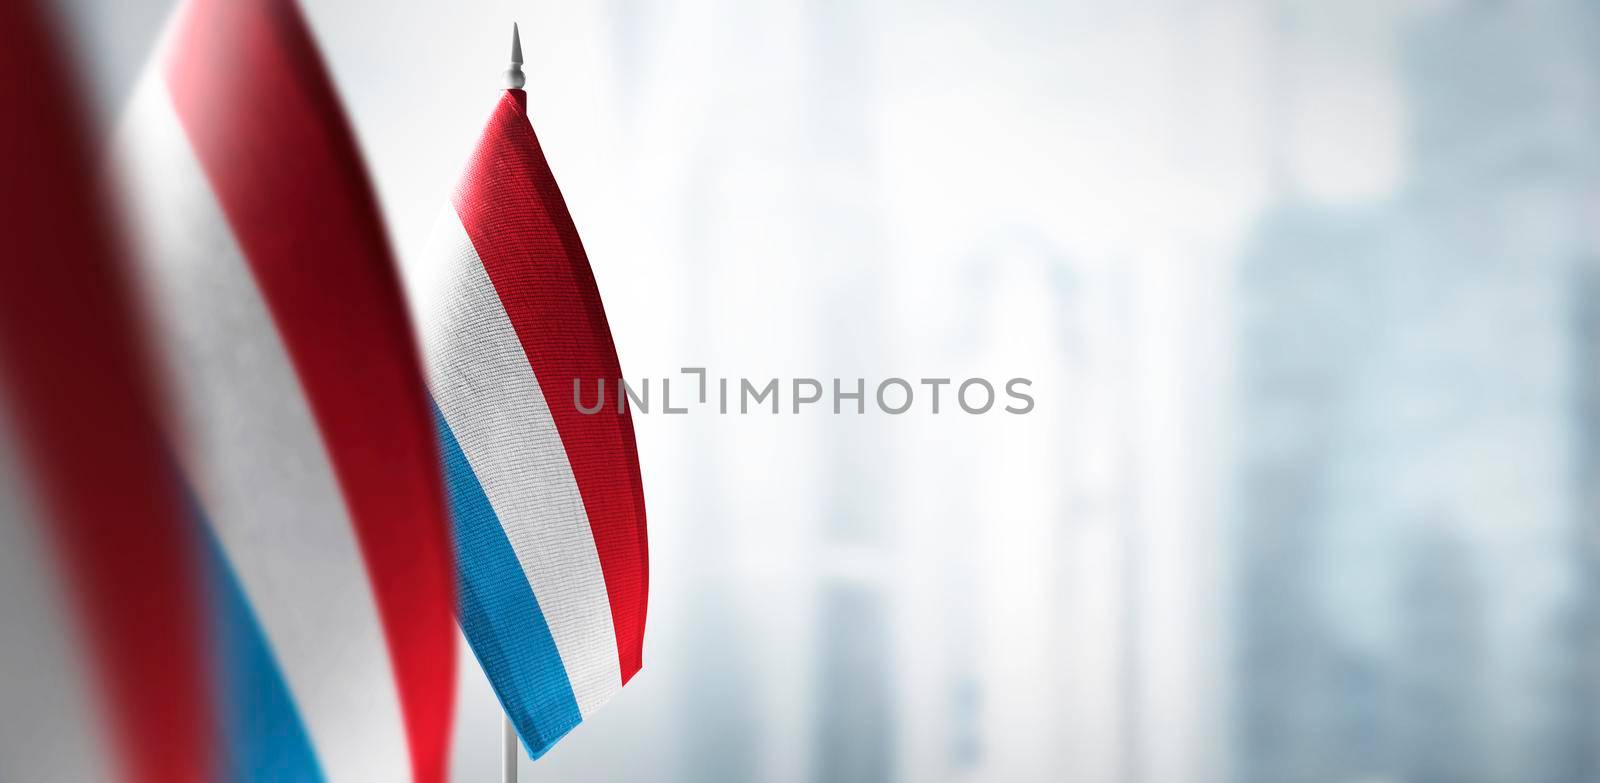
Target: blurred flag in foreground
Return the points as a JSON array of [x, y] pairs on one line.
[[103, 675], [546, 501], [299, 417]]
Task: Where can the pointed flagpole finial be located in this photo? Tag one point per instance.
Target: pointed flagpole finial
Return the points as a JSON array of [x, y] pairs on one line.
[[514, 77]]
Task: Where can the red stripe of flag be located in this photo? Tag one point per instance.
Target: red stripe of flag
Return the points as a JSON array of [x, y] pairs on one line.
[[510, 206], [266, 126], [88, 424]]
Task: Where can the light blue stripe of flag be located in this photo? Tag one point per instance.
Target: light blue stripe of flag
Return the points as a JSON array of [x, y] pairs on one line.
[[499, 613], [264, 737]]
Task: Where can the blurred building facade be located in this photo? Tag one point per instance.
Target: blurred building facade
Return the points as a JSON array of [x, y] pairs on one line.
[[1414, 569]]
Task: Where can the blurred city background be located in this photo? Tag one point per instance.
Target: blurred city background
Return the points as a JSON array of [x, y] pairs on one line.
[[1309, 292]]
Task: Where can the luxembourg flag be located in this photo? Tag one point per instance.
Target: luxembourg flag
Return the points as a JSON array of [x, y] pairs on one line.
[[299, 416], [102, 622], [547, 503]]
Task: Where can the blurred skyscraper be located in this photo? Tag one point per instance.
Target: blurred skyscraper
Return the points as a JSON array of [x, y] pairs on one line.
[[1415, 454], [853, 712]]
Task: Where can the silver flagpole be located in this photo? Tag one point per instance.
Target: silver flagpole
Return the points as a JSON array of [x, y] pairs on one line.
[[508, 732], [514, 77], [508, 750]]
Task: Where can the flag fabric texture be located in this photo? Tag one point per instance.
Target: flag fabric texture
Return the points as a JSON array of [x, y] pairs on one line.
[[300, 421], [546, 501]]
